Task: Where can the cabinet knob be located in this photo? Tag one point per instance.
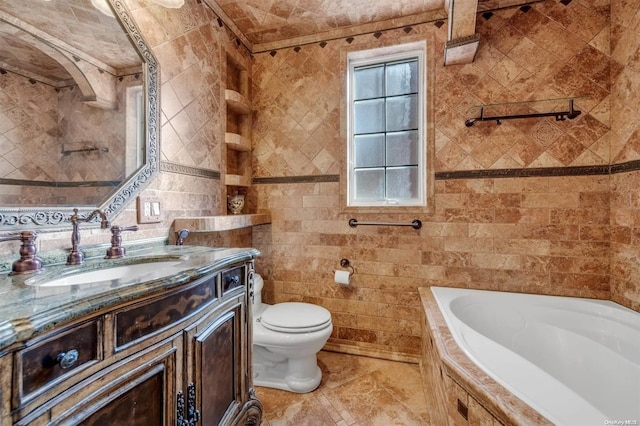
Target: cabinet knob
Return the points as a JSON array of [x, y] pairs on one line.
[[231, 281], [67, 359]]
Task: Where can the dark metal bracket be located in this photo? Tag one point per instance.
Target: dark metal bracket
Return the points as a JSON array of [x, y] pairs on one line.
[[571, 113], [66, 152]]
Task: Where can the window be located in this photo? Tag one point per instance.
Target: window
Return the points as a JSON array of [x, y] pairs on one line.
[[134, 122], [387, 144]]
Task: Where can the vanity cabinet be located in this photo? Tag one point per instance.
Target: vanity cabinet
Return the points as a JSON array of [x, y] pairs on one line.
[[179, 357]]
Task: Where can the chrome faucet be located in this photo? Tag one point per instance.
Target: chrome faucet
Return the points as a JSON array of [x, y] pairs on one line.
[[75, 256], [28, 261]]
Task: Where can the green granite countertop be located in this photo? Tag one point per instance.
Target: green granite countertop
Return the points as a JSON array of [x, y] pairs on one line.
[[28, 310]]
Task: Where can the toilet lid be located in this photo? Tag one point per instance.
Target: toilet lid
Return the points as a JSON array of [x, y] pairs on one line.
[[295, 317]]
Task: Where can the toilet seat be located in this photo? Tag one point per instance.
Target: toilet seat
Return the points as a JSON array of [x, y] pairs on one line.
[[295, 317]]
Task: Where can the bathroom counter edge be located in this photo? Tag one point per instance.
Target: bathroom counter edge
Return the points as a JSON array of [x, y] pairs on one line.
[[27, 311]]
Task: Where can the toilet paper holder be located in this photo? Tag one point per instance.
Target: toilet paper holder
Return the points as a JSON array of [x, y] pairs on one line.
[[346, 264]]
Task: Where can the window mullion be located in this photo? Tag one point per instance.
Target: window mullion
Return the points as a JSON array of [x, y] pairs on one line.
[[384, 158]]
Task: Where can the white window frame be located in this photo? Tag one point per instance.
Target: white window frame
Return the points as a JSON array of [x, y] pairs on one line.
[[135, 129], [417, 50]]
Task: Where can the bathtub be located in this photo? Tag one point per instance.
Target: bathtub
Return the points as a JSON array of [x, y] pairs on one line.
[[575, 361]]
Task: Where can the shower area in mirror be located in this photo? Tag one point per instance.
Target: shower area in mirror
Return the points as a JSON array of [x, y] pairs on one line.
[[71, 104]]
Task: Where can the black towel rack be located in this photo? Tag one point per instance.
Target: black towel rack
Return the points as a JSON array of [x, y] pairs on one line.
[[416, 224], [570, 113]]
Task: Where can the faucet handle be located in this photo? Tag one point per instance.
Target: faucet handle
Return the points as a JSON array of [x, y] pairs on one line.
[[116, 251], [11, 237], [181, 234], [28, 261]]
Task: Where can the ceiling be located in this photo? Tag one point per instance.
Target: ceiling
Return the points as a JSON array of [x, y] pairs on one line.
[[263, 25], [266, 24], [86, 33]]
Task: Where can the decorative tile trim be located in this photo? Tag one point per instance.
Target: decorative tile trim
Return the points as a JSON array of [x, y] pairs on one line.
[[629, 166], [93, 184], [462, 41], [169, 167], [296, 179], [533, 172], [181, 169], [348, 33], [479, 174]]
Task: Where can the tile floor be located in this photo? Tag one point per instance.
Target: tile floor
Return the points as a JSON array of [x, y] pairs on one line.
[[355, 390]]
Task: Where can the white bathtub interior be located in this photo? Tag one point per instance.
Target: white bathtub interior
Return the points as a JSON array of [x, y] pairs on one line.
[[575, 361]]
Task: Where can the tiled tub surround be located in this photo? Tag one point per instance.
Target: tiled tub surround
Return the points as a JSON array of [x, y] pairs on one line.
[[462, 392], [28, 310], [529, 358]]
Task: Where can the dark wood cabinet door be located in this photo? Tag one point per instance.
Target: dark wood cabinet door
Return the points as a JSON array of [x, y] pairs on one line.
[[141, 405], [138, 391], [218, 356]]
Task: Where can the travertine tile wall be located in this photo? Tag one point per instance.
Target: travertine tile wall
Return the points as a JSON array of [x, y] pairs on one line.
[[25, 102], [38, 122], [537, 234], [37, 119], [625, 123]]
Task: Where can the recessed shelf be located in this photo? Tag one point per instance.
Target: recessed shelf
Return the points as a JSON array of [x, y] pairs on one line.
[[237, 142], [236, 102], [221, 223], [237, 180], [237, 167]]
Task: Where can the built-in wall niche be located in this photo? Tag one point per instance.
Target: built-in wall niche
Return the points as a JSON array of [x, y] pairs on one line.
[[238, 131], [237, 174]]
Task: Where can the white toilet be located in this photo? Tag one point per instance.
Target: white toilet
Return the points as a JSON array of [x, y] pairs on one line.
[[286, 339]]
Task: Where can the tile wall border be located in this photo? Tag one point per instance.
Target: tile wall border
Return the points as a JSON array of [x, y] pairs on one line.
[[296, 179], [519, 173], [629, 166], [50, 184], [181, 169], [474, 174]]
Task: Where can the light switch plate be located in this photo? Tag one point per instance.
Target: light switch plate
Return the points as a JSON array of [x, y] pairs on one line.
[[149, 210]]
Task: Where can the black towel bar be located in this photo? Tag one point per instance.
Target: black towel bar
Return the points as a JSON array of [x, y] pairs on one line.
[[416, 224]]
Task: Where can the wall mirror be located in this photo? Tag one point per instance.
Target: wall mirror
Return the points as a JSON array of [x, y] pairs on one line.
[[78, 111]]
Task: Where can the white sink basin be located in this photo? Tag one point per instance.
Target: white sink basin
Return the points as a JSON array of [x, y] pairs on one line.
[[150, 270]]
